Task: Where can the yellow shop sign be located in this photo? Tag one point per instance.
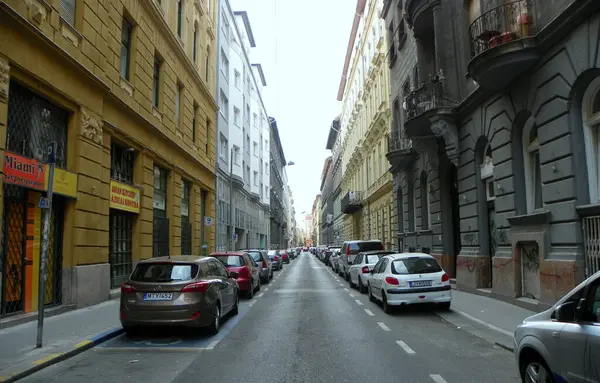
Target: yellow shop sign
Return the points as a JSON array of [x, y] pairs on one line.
[[124, 197], [65, 183]]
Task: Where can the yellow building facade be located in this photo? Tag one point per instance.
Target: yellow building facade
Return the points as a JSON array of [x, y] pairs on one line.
[[366, 184], [125, 89]]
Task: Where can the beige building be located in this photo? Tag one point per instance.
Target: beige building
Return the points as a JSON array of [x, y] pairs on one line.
[[126, 91], [365, 123]]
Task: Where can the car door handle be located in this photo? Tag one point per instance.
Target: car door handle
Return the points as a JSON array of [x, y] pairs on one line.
[[555, 334]]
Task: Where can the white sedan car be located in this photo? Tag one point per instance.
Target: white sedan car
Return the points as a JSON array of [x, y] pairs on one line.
[[409, 278]]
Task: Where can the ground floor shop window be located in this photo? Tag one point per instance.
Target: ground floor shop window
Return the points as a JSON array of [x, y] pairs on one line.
[[120, 250]]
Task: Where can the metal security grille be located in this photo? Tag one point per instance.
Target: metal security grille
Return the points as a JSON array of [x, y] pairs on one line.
[[121, 163], [186, 226], [53, 288], [120, 250], [591, 244], [13, 250], [33, 123]]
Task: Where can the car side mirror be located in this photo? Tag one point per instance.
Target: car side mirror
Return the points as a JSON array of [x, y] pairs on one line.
[[565, 312], [234, 275]]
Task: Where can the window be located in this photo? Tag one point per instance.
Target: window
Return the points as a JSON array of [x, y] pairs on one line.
[[248, 143], [67, 11], [248, 173], [224, 65], [195, 44], [194, 123], [255, 146], [207, 64], [225, 27], [223, 148], [179, 17], [591, 118], [224, 105], [121, 163], [236, 116], [160, 233], [178, 109], [255, 178], [156, 81], [424, 202], [533, 169], [236, 78], [254, 119], [236, 155], [207, 135], [126, 33]]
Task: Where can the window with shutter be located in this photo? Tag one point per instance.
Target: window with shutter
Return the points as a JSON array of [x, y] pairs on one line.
[[67, 11]]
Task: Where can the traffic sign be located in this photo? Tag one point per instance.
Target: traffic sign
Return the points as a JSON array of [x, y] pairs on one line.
[[44, 203], [234, 237], [208, 221]]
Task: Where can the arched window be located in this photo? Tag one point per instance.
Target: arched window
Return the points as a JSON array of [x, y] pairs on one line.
[[532, 167], [424, 202], [591, 121]]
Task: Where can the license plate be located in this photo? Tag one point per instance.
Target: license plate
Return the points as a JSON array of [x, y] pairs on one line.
[[419, 283], [158, 296]]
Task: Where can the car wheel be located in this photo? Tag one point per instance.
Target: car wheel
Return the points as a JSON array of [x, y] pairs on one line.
[[347, 277], [371, 297], [216, 322], [352, 285], [534, 369], [361, 287], [236, 306], [386, 308], [445, 306]]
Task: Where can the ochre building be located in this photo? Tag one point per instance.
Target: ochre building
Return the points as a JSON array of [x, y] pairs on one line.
[[125, 89]]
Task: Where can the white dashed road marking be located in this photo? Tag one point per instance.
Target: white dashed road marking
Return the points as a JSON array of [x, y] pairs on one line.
[[212, 345], [369, 312], [341, 285], [383, 326], [352, 295], [251, 303], [345, 289], [405, 347], [358, 302], [267, 289], [437, 378], [259, 295]]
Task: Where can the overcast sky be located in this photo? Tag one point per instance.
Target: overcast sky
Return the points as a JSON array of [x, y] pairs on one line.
[[301, 45]]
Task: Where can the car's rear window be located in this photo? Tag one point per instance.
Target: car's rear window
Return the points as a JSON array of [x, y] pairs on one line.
[[164, 272], [373, 258], [256, 256], [415, 265], [272, 253], [361, 247], [231, 260]]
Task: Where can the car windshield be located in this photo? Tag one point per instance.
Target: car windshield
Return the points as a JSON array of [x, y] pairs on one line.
[[361, 247], [256, 256], [373, 258], [164, 272], [415, 265], [230, 260]]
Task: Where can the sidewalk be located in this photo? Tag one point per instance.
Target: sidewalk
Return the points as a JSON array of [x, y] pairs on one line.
[[65, 335], [485, 317]]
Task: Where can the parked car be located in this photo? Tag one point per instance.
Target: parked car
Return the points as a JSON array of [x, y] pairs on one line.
[[563, 342], [349, 251], [361, 268], [291, 253], [247, 271], [180, 290], [275, 259], [285, 257], [333, 260], [328, 253], [265, 268], [409, 278]]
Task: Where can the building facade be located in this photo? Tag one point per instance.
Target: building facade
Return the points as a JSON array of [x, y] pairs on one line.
[[124, 94], [278, 213], [315, 233], [500, 179], [243, 138], [326, 208], [365, 121]]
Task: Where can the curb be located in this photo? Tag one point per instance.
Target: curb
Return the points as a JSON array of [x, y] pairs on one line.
[[54, 358]]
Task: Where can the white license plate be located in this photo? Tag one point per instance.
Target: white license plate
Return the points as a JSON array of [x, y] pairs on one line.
[[158, 296], [419, 283]]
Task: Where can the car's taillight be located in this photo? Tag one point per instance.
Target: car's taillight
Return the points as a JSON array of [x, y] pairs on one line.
[[445, 278], [245, 272], [265, 264], [348, 250], [365, 269], [391, 281], [198, 287], [127, 288], [276, 259]]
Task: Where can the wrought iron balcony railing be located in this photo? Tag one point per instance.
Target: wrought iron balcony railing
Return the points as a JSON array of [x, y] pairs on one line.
[[398, 141], [351, 202], [429, 96], [509, 22]]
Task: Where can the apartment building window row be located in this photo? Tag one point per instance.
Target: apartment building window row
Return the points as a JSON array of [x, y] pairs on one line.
[[224, 105]]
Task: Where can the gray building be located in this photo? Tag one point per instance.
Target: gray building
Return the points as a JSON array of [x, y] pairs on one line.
[[278, 213], [243, 201], [334, 141], [326, 207], [496, 172]]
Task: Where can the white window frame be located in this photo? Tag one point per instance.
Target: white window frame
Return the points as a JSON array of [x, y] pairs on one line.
[[591, 134], [236, 155], [236, 78], [223, 147], [224, 105], [225, 65], [529, 150]]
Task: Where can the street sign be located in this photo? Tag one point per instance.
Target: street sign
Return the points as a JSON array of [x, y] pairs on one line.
[[44, 203], [234, 237], [208, 221]]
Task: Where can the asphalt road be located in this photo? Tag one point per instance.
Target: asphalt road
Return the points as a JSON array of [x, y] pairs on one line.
[[307, 326]]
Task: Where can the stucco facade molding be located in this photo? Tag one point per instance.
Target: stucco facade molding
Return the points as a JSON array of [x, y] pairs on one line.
[[4, 79], [91, 125]]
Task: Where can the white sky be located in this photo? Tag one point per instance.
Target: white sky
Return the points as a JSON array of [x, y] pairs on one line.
[[301, 46]]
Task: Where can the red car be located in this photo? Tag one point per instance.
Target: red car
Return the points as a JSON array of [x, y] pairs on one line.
[[244, 266], [285, 257]]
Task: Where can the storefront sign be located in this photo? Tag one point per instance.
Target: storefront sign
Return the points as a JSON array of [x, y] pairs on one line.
[[65, 183], [124, 197], [25, 172]]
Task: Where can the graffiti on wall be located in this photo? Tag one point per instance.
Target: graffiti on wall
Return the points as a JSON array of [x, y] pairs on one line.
[[530, 270]]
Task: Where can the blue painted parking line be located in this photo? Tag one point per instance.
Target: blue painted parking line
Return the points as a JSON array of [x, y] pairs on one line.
[[188, 342]]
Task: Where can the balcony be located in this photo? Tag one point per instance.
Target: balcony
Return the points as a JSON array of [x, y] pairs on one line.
[[400, 152], [425, 105], [503, 44], [351, 202]]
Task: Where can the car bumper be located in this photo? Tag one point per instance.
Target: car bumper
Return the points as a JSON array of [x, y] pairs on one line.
[[398, 296], [180, 317], [265, 273], [287, 260], [244, 284]]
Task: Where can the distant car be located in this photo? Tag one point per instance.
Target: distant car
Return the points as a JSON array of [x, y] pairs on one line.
[[349, 251], [265, 268], [240, 262], [180, 290], [409, 278], [285, 257], [275, 259], [361, 267]]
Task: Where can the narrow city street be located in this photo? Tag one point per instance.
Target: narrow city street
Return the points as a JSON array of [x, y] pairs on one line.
[[307, 325]]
